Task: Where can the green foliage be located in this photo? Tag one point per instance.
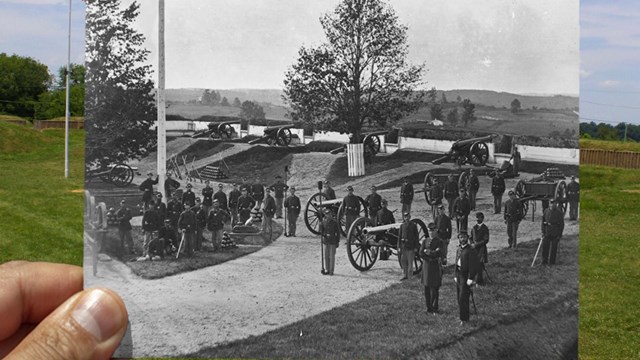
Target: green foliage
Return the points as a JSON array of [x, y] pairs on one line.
[[51, 104], [515, 106], [468, 114], [22, 80], [360, 75], [251, 111], [120, 102], [586, 143]]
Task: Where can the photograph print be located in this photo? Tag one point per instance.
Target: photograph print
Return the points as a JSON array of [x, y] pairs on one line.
[[337, 178]]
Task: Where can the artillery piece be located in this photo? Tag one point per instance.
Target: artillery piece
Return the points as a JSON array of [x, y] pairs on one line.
[[120, 175], [544, 187], [364, 241], [473, 151], [276, 135], [370, 140], [217, 129], [317, 203]]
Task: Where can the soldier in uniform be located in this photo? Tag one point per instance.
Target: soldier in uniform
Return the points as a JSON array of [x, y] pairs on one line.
[[292, 207], [147, 188], [234, 195], [450, 193], [245, 204], [328, 191], [436, 193], [431, 253], [150, 223], [497, 190], [124, 227], [268, 211], [406, 195], [553, 220], [245, 185], [474, 186], [221, 197], [201, 223], [257, 191], [279, 188], [384, 217], [513, 214], [207, 195], [466, 270], [215, 223], [515, 155], [330, 236], [189, 197], [170, 185], [461, 210], [351, 207], [443, 230], [479, 240], [573, 196], [408, 244], [174, 209], [187, 224], [161, 208], [167, 236], [373, 201]]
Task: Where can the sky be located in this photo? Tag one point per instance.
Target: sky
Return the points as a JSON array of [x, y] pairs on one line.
[[499, 46]]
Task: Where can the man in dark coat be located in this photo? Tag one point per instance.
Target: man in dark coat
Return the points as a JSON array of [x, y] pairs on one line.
[[573, 196], [221, 197], [174, 209], [513, 214], [189, 197], [268, 211], [497, 190], [328, 191], [292, 208], [147, 189], [170, 185], [150, 223], [479, 240], [187, 224], [257, 191], [451, 193], [474, 186], [461, 210], [167, 237], [406, 195], [161, 208], [408, 244], [431, 253], [467, 267], [385, 217], [215, 223], [351, 207], [234, 195], [279, 188], [330, 237], [245, 185], [245, 204], [443, 230], [207, 195], [124, 227], [436, 193], [553, 220], [201, 222], [373, 202]]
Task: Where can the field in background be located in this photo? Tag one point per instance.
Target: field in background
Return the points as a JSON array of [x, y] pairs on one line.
[[609, 145]]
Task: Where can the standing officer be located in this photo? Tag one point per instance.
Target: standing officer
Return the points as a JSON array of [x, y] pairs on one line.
[[431, 253], [215, 223], [330, 237], [513, 214], [466, 270], [150, 223], [408, 243], [161, 207], [257, 191], [174, 209], [406, 195], [221, 197], [461, 210], [124, 227], [450, 193], [207, 195], [170, 185], [436, 193], [279, 188], [573, 195], [269, 209], [443, 229], [234, 195], [245, 204], [351, 207], [553, 228], [373, 202], [187, 224], [497, 190], [292, 207], [201, 222], [189, 197], [384, 217], [479, 240], [328, 191], [474, 186], [147, 188]]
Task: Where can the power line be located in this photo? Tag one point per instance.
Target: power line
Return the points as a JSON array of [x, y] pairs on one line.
[[611, 105], [609, 91]]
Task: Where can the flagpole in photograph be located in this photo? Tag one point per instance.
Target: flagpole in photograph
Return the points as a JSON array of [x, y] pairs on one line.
[[66, 111], [162, 132]]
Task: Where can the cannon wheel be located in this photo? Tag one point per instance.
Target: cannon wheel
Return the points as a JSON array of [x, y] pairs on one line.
[[519, 189], [560, 196], [525, 208], [342, 219], [283, 137], [225, 129], [361, 255], [422, 236], [463, 180], [313, 213], [373, 143], [121, 175], [428, 183], [479, 153]]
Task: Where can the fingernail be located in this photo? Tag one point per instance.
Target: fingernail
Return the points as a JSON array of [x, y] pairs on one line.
[[99, 314]]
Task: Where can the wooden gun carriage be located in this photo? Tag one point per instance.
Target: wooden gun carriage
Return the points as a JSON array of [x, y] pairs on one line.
[[120, 175], [217, 130], [318, 203], [550, 185], [371, 143], [473, 151], [275, 135]]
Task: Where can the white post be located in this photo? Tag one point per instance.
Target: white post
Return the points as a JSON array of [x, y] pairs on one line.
[[66, 111], [162, 132]]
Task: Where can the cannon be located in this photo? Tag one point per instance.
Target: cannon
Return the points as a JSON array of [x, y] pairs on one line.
[[365, 240], [370, 140], [120, 175], [314, 211], [276, 135], [217, 129], [470, 151], [549, 185]]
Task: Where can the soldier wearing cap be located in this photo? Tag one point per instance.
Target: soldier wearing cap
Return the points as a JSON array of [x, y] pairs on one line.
[[467, 267], [431, 253], [221, 197], [147, 188], [373, 202], [279, 188], [245, 185], [330, 236], [245, 204], [406, 195], [167, 236], [351, 207], [161, 207], [479, 239], [257, 191], [234, 195], [328, 191], [408, 244], [170, 185], [451, 192], [124, 227], [443, 230], [150, 223], [461, 210], [189, 197], [174, 209], [187, 224], [553, 222], [292, 207], [474, 186], [573, 196], [384, 217], [215, 223], [513, 214], [201, 223], [497, 190], [436, 193], [268, 211], [207, 195]]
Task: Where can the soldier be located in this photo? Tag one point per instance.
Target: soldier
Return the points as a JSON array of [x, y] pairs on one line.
[[189, 197], [431, 253], [450, 192], [373, 203], [513, 214], [124, 227], [150, 223], [406, 195], [245, 185], [384, 217], [329, 193], [436, 193], [269, 209], [553, 228], [279, 188], [461, 210], [207, 195], [351, 207], [245, 204], [466, 270], [170, 185], [408, 243], [515, 155], [443, 230], [167, 237], [497, 190], [147, 188], [234, 195], [215, 223], [201, 223], [292, 207], [257, 191], [573, 196], [187, 224], [174, 209], [474, 186], [479, 240], [330, 237], [221, 197], [161, 207]]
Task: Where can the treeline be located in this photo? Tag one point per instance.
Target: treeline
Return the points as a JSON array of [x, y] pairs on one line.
[[603, 131]]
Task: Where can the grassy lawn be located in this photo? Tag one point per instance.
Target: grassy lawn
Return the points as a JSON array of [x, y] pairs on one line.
[[609, 145]]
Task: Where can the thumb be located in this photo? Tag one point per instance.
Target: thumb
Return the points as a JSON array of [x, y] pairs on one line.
[[89, 325]]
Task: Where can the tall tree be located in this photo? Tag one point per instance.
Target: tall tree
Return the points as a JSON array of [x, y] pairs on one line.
[[22, 81], [236, 102], [224, 101], [436, 111], [515, 106], [120, 102], [444, 99], [52, 103], [452, 116], [468, 114], [251, 111], [360, 75]]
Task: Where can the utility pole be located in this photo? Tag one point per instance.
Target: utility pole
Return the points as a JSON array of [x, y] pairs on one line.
[[66, 111], [162, 132]]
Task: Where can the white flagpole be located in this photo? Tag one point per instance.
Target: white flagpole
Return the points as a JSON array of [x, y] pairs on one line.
[[66, 111], [162, 133]]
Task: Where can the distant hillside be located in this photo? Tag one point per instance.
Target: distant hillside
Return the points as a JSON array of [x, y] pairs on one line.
[[272, 96], [503, 99]]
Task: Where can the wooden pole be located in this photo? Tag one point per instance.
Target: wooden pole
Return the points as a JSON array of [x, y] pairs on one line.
[[162, 132]]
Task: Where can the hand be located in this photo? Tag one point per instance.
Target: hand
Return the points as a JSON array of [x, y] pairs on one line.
[[469, 282], [46, 314]]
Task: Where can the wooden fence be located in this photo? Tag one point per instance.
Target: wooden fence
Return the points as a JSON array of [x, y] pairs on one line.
[[620, 159]]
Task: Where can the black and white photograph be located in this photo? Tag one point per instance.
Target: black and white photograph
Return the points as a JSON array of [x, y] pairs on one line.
[[336, 178]]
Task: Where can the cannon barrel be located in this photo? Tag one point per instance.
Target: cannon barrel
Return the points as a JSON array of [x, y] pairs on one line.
[[329, 202], [276, 128], [381, 228], [469, 142], [255, 141]]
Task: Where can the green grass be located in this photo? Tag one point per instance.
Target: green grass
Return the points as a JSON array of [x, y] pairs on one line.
[[609, 145]]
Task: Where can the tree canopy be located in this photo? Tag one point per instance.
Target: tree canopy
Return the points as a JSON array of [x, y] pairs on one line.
[[251, 111], [468, 112], [359, 75], [52, 104], [515, 106], [22, 81]]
